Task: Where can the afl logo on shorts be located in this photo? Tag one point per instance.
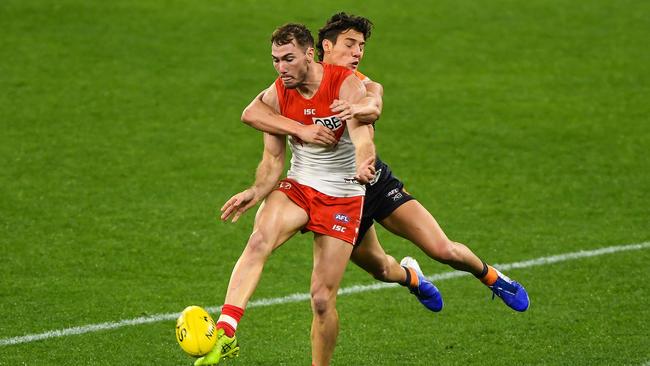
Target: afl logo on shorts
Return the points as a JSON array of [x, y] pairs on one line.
[[342, 218], [331, 122]]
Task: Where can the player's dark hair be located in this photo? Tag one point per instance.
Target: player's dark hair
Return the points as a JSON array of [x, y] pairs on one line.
[[293, 31], [338, 24]]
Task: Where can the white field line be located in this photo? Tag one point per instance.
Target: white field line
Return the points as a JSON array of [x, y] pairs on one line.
[[305, 296]]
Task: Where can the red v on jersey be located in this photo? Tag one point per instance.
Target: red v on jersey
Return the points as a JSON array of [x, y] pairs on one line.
[[316, 109]]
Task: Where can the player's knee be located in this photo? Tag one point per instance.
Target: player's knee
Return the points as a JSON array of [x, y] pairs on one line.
[[259, 245], [381, 273], [321, 302], [445, 251]]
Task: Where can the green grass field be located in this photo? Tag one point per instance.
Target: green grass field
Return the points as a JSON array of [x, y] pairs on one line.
[[522, 126]]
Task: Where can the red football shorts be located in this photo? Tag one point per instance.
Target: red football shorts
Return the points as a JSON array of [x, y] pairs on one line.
[[338, 217]]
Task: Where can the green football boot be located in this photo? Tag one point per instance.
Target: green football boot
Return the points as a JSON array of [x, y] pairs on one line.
[[225, 347]]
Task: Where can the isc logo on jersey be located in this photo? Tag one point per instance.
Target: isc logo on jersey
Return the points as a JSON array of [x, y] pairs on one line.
[[331, 122]]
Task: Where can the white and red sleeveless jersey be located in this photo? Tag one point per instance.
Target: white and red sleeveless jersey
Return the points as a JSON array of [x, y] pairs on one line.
[[329, 170]]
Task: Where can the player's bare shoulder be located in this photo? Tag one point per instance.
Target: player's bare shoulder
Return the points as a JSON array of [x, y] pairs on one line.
[[373, 87], [270, 97], [352, 89]]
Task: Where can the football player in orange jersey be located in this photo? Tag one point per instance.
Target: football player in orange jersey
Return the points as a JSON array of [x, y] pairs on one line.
[[342, 41]]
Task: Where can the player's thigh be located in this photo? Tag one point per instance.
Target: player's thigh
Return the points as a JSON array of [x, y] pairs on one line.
[[413, 222], [369, 254], [279, 218], [331, 256]]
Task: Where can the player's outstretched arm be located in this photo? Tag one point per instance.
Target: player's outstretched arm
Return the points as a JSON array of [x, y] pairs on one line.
[[263, 114], [366, 110], [352, 91], [267, 176]]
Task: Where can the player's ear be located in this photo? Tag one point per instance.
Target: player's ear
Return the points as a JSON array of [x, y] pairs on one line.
[[327, 45], [310, 54]]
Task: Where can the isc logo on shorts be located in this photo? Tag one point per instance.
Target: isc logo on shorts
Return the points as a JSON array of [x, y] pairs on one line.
[[330, 122], [338, 228], [342, 218]]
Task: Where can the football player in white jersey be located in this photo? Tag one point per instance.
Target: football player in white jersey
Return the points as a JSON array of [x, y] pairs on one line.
[[323, 196]]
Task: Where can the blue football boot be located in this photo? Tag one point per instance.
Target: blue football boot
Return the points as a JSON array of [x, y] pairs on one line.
[[424, 290], [511, 292]]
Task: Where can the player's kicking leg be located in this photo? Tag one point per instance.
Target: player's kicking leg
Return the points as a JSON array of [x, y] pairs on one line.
[[371, 257], [277, 219], [413, 222], [331, 256]]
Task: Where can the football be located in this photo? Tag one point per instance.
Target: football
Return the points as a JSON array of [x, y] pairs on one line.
[[195, 331]]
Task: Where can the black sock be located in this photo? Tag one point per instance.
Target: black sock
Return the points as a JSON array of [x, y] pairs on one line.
[[483, 272], [406, 282]]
